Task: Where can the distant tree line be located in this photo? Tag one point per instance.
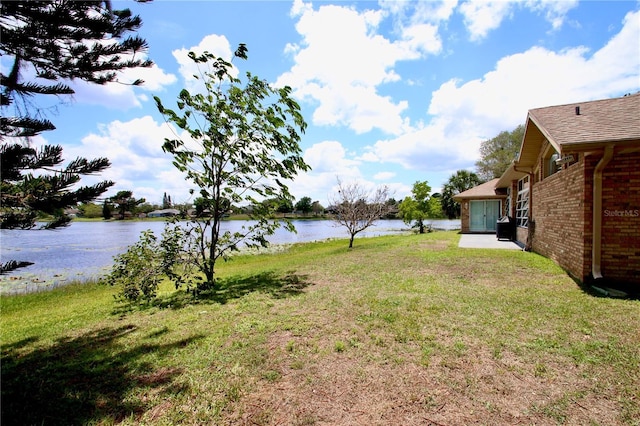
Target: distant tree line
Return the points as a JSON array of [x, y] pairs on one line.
[[496, 155]]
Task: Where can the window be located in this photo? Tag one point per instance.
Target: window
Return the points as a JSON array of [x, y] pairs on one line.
[[552, 167], [549, 165], [507, 204], [522, 204]]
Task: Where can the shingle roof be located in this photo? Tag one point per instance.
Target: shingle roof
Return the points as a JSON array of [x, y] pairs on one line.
[[509, 175], [606, 120], [485, 190], [581, 126]]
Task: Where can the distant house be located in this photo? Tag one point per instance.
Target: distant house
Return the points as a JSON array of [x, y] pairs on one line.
[[72, 212], [574, 189], [164, 213]]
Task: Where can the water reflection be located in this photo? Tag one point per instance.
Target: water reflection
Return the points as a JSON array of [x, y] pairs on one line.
[[85, 250]]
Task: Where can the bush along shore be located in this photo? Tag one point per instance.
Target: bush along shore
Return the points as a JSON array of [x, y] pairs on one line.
[[402, 329]]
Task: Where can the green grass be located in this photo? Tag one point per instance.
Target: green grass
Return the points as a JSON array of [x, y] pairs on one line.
[[407, 329]]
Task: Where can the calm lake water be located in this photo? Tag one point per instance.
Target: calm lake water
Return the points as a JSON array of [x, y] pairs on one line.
[[85, 250]]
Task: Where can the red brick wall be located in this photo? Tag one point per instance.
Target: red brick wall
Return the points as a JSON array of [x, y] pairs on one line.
[[563, 215], [558, 208], [621, 218], [464, 217]]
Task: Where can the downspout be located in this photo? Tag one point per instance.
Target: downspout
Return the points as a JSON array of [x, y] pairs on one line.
[[596, 249]]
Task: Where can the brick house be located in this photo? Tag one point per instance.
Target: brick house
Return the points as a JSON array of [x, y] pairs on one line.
[[481, 207], [574, 189]]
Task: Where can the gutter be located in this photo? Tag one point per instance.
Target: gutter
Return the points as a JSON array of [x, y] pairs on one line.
[[596, 249]]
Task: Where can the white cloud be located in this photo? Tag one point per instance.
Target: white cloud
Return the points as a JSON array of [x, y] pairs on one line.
[[328, 160], [155, 79], [330, 157], [433, 11], [123, 96], [217, 45], [137, 160], [540, 77], [554, 10], [299, 7], [464, 114], [337, 107], [112, 95], [420, 11], [481, 17], [433, 148], [422, 37], [341, 69], [615, 68], [382, 176]]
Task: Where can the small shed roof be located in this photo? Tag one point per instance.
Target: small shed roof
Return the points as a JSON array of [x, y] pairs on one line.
[[486, 190]]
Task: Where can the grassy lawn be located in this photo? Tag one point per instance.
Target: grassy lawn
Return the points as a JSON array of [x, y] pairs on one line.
[[400, 330]]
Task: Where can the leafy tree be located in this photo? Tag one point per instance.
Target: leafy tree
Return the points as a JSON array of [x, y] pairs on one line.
[[278, 204], [417, 208], [203, 206], [357, 209], [283, 204], [48, 44], [392, 208], [497, 154], [90, 210], [247, 136], [106, 210], [317, 208], [147, 207], [457, 183], [125, 202], [435, 206], [304, 205]]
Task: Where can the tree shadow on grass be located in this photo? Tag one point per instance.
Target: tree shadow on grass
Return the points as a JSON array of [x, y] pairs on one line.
[[230, 288], [277, 286], [85, 379]]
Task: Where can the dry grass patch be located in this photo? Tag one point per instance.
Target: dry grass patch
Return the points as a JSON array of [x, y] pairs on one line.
[[407, 330]]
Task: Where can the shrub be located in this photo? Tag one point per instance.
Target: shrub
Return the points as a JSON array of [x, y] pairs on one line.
[[140, 269]]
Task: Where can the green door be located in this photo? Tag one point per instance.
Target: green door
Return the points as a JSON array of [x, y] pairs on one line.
[[484, 215]]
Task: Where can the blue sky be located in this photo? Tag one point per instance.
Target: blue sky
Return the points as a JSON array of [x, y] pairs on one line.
[[394, 92]]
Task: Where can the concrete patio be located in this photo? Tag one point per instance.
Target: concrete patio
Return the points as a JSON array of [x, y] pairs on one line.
[[486, 241]]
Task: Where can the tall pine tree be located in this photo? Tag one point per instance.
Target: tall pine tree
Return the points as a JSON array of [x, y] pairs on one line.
[[49, 44]]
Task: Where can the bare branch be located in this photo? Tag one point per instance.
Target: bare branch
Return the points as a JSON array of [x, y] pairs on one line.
[[357, 208]]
